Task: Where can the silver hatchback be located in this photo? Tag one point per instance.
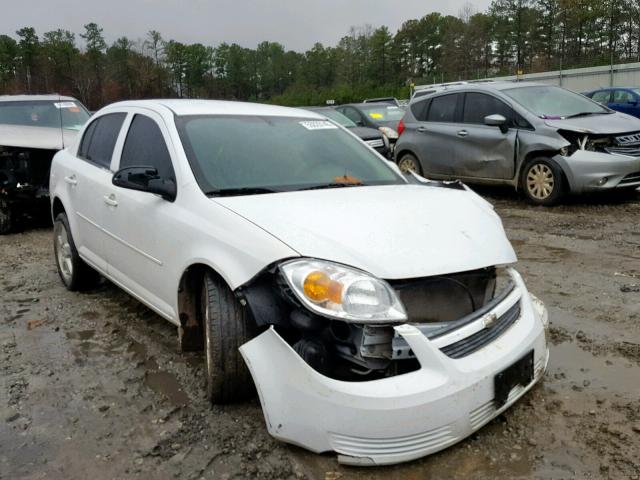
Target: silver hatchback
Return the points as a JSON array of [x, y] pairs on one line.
[[544, 140]]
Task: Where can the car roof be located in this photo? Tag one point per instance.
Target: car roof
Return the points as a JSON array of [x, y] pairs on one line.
[[35, 98], [217, 107]]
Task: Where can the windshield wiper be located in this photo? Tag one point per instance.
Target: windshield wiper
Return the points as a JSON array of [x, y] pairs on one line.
[[333, 185], [229, 192], [585, 114]]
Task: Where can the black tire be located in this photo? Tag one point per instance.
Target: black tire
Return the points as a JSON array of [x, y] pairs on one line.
[[6, 218], [408, 159], [543, 182], [74, 273], [227, 326]]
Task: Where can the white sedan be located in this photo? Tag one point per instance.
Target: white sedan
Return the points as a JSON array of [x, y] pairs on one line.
[[377, 315]]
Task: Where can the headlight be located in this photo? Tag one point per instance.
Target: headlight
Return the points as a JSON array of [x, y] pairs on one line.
[[390, 133], [341, 292]]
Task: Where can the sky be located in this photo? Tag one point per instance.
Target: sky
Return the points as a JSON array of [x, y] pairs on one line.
[[297, 24]]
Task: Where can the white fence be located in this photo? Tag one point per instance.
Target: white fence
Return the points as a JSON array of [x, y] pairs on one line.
[[586, 79]]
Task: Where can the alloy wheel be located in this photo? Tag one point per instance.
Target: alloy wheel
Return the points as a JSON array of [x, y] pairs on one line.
[[408, 164], [63, 252]]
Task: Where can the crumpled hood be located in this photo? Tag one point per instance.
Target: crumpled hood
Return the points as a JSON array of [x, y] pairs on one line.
[[607, 124], [393, 232], [35, 137]]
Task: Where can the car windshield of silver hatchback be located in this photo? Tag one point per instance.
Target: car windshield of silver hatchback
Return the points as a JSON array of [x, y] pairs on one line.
[[245, 155], [555, 103]]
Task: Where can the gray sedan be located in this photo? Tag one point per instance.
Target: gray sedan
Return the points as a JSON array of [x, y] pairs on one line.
[[541, 139]]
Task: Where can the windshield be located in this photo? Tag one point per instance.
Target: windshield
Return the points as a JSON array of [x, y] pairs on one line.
[[259, 154], [70, 115], [337, 117], [381, 113], [636, 90], [554, 102]]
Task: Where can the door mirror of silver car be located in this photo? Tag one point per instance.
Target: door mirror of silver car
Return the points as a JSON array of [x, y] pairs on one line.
[[145, 179], [497, 121]]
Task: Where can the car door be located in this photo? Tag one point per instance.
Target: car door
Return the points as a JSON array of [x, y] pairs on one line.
[[141, 225], [624, 101], [485, 151], [437, 136], [89, 180]]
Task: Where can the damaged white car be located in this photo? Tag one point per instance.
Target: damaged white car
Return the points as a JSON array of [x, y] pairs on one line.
[[376, 314]]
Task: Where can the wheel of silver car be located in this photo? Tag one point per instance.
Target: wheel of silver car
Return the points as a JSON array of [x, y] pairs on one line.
[[75, 274], [409, 163], [227, 326], [542, 181]]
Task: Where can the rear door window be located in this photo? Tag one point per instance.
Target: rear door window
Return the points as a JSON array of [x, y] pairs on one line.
[[622, 96], [100, 139], [420, 109], [477, 106], [443, 109], [353, 115], [145, 146]]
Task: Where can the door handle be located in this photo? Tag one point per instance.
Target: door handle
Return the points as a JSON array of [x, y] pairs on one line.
[[422, 129], [71, 180], [110, 200], [463, 133]]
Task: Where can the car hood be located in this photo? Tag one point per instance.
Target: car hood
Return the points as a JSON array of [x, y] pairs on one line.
[[606, 124], [45, 138], [366, 133], [393, 232]]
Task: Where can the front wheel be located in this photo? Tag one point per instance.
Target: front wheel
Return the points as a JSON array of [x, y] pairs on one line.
[[74, 273], [543, 182], [6, 218], [227, 326], [409, 163]]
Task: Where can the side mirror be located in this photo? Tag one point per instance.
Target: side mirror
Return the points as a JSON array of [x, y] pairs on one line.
[[145, 179], [497, 121]]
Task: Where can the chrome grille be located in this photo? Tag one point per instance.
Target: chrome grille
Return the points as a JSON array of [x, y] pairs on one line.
[[375, 143], [630, 151], [475, 342], [630, 179]]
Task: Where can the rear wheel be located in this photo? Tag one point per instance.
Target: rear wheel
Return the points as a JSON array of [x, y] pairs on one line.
[[74, 273], [543, 182], [409, 163], [227, 326]]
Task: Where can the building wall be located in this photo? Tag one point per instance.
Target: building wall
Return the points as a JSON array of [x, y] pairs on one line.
[[586, 79]]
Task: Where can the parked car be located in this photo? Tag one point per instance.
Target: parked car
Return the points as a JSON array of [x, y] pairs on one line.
[[381, 116], [371, 136], [281, 239], [543, 140], [32, 129], [625, 100]]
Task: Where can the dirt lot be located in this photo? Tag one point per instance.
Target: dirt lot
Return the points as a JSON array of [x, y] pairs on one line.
[[93, 386]]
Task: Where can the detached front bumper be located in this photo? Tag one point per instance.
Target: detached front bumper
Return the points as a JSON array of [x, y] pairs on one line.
[[595, 171], [399, 418]]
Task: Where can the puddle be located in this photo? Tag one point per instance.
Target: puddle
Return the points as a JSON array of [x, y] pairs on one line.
[[160, 381]]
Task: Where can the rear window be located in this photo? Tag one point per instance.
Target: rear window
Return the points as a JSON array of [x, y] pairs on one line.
[[381, 113], [70, 115], [443, 109]]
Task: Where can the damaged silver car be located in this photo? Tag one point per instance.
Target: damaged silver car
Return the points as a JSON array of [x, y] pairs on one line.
[[543, 140], [32, 129]]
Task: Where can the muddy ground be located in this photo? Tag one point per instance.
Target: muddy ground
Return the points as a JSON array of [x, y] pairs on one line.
[[92, 385]]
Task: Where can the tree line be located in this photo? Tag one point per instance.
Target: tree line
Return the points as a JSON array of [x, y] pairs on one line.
[[509, 37]]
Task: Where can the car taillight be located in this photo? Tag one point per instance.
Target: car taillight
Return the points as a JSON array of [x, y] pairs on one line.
[[400, 127]]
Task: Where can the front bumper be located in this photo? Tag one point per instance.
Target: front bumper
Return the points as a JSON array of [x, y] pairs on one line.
[[399, 418], [594, 171]]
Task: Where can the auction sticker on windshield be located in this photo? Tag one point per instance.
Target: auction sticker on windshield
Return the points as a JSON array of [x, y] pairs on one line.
[[317, 125]]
